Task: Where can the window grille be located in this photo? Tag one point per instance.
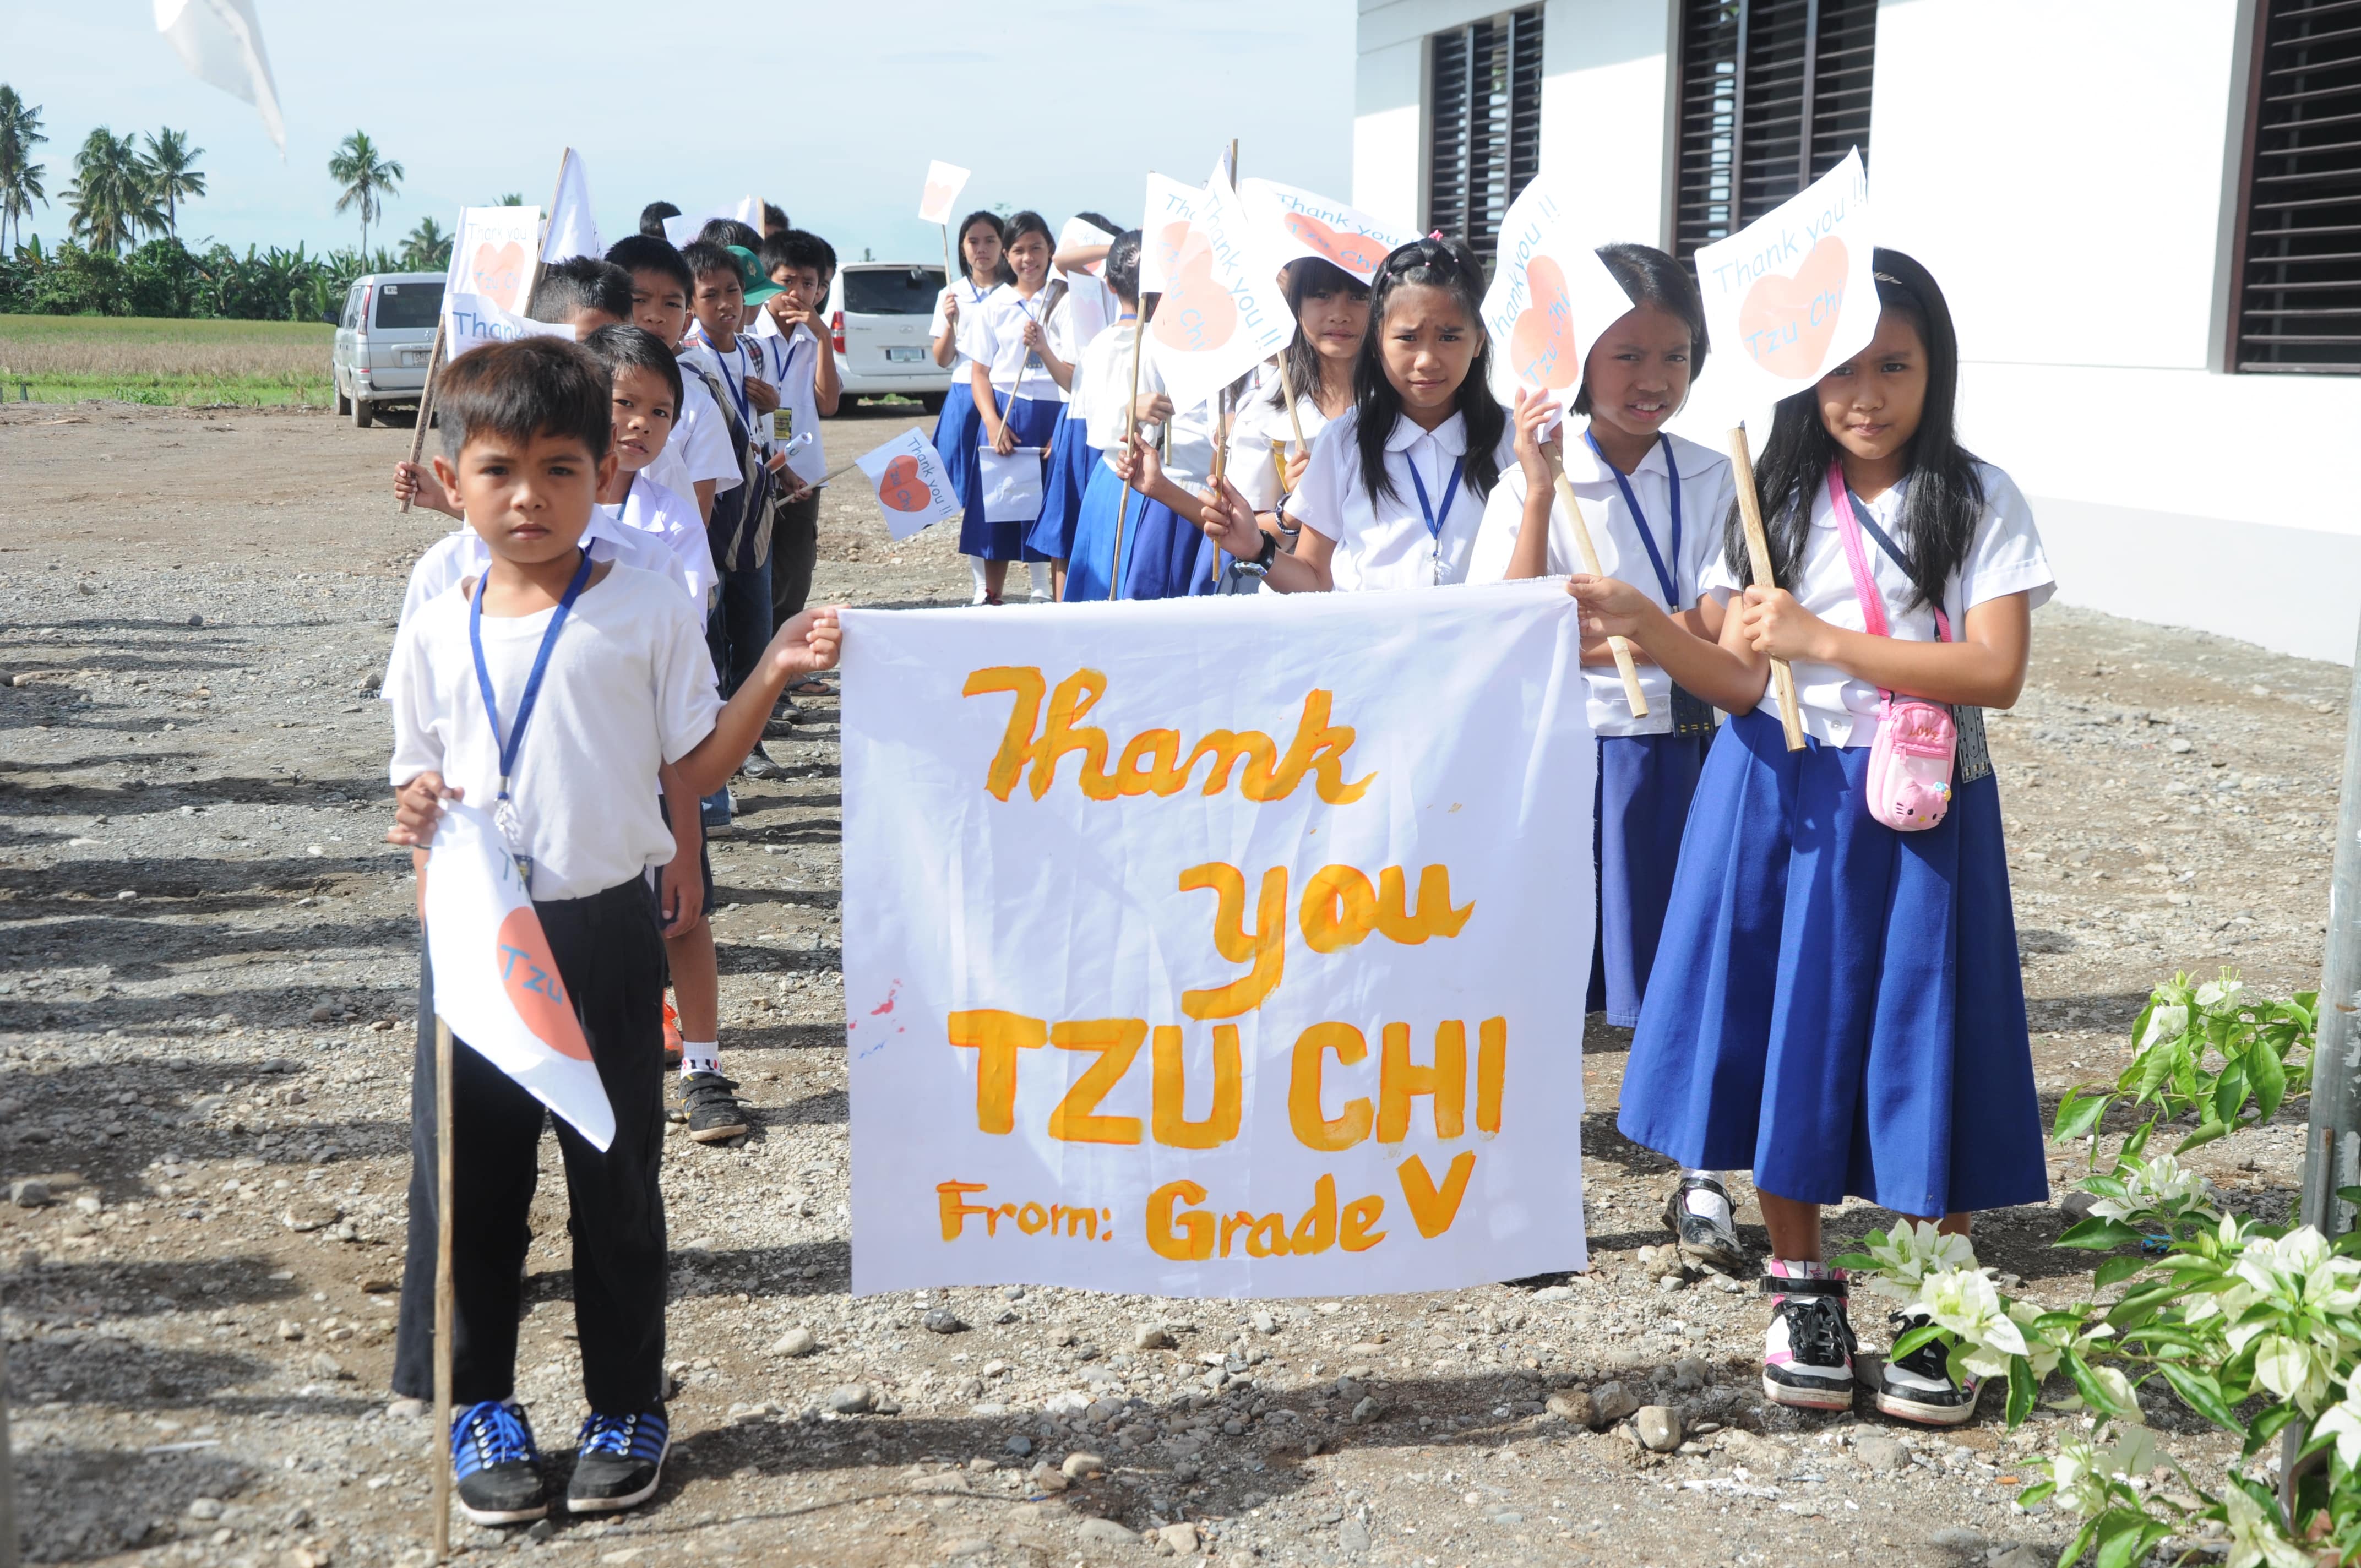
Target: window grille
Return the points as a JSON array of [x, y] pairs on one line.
[[1485, 146], [2297, 302]]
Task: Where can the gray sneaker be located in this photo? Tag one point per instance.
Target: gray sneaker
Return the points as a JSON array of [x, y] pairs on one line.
[[710, 1109]]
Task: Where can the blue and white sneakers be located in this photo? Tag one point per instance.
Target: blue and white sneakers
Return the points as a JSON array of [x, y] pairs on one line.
[[620, 1464], [497, 1467]]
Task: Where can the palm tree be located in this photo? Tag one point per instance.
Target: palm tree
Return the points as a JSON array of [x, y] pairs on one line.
[[171, 168], [365, 178], [20, 179], [427, 248], [513, 199], [111, 197]]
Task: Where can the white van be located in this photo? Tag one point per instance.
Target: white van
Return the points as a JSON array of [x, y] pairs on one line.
[[384, 337], [878, 312]]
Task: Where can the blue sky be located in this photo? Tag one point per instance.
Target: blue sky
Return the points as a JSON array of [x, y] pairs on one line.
[[837, 108]]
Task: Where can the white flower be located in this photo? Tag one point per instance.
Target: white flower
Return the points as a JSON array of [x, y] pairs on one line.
[[2039, 1353], [2118, 1386], [2342, 1420], [2290, 1368], [2080, 1481], [2165, 1023], [2220, 995], [1965, 1301], [2152, 1184], [2298, 1270], [1909, 1252], [2254, 1540], [2133, 1452]]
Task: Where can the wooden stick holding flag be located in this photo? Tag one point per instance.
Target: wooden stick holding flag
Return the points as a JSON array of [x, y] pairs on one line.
[[1620, 647], [1130, 434], [1758, 561], [445, 1294]]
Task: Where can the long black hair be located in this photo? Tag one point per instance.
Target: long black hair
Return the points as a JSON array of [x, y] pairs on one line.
[[1121, 270], [1016, 228], [1452, 265], [1003, 274], [1309, 278], [1945, 497], [1652, 277]]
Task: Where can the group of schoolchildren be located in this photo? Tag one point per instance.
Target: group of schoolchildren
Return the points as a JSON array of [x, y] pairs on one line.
[[1818, 995]]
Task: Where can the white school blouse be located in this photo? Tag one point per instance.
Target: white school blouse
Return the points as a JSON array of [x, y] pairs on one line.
[[698, 447], [630, 688], [1706, 494], [1383, 542], [462, 553], [1189, 456], [1257, 426], [969, 297], [650, 509], [993, 332], [798, 386], [2005, 557], [1103, 385]]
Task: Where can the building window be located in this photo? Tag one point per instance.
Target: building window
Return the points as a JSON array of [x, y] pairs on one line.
[[2299, 255], [1485, 146], [1773, 95]]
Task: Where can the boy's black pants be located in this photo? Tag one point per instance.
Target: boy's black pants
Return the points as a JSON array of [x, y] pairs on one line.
[[795, 550], [612, 958]]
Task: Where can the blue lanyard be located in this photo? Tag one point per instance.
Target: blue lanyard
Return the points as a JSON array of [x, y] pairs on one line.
[[1671, 584], [509, 747], [1450, 494], [737, 389]]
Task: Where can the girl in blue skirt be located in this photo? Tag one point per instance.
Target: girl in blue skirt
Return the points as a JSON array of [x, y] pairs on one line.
[[1836, 1003], [1103, 384], [1654, 503], [957, 425], [1016, 377], [1089, 309]]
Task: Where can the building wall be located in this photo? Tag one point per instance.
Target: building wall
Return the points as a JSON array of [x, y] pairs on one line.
[[2070, 173]]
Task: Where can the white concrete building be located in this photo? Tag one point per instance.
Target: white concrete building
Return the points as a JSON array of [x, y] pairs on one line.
[[2147, 216]]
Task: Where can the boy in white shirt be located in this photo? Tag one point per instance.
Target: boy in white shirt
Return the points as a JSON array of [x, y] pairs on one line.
[[624, 691], [809, 388], [698, 461]]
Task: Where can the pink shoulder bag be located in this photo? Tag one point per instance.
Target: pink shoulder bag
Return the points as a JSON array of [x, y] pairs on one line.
[[1909, 783]]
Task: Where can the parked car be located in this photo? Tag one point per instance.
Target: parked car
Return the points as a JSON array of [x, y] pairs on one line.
[[878, 312], [383, 341]]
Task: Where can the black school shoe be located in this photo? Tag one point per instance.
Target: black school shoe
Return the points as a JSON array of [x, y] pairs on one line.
[[498, 1468], [620, 1462], [1918, 1386], [709, 1108], [1709, 1238]]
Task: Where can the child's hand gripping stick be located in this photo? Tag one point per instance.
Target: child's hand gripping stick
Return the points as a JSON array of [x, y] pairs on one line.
[[1758, 556], [1621, 647]]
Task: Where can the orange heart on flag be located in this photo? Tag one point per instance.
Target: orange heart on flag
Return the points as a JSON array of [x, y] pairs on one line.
[[1786, 321], [1358, 253], [1542, 345], [497, 273], [937, 197], [1169, 241], [1196, 313], [902, 486], [529, 977]]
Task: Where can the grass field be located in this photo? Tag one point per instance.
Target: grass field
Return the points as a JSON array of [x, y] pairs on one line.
[[55, 359]]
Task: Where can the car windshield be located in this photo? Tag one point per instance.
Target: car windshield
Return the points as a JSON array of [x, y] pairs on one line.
[[408, 305], [896, 291]]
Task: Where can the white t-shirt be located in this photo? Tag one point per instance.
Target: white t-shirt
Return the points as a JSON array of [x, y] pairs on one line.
[[993, 332], [650, 509], [699, 444], [2005, 557], [629, 688], [462, 553], [1103, 385], [1258, 426], [969, 297], [1705, 493], [1384, 543]]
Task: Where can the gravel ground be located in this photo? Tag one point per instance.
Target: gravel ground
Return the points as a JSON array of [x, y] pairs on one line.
[[208, 973]]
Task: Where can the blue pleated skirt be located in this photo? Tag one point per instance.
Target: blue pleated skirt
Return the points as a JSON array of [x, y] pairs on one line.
[[1834, 1006], [1165, 556], [1646, 782], [1036, 422], [958, 429], [1090, 557], [1071, 458]]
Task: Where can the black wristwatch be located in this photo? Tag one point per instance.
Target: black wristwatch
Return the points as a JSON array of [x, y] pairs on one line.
[[1269, 551]]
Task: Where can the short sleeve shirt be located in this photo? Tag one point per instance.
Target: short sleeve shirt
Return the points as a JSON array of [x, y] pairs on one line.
[[1383, 542]]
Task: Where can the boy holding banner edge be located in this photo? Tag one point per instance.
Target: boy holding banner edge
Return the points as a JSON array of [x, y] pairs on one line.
[[613, 659]]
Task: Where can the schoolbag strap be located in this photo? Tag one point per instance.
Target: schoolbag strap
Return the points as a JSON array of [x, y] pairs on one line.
[[1864, 586], [1893, 553]]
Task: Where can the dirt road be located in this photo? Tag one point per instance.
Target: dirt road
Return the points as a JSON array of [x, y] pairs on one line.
[[207, 972]]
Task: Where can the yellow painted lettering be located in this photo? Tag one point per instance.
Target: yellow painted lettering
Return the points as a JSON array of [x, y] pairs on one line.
[[1227, 748], [1117, 1041], [1430, 1210], [1319, 747], [1339, 909], [1491, 1072], [1063, 732], [1305, 1110], [1267, 1237], [952, 1198], [1354, 1234], [1400, 1080], [1435, 917], [1017, 745], [995, 1037], [1316, 1231], [1170, 1094], [1147, 763], [1265, 947]]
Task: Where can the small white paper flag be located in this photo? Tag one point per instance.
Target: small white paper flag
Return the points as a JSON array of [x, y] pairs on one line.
[[912, 490]]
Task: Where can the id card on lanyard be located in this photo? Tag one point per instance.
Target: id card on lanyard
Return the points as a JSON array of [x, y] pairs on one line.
[[504, 812], [1691, 714], [1426, 507]]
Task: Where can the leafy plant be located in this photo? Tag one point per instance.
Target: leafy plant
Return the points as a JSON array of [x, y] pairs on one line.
[[365, 178], [113, 200], [2255, 1328], [20, 178], [170, 165]]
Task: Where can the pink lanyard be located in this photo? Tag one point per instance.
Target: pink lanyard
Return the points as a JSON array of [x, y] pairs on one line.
[[1872, 601]]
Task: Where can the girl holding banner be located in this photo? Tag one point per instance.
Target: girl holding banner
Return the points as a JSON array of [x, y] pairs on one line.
[[1018, 381], [1394, 494], [1836, 1001], [1270, 443], [1654, 503], [958, 423]]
